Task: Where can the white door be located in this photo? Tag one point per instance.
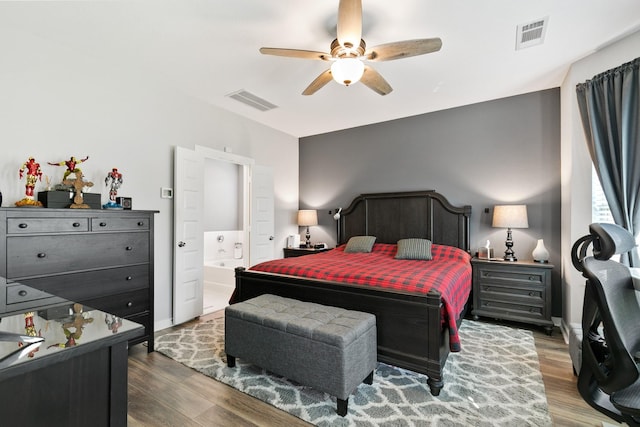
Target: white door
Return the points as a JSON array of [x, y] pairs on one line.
[[188, 250], [262, 215]]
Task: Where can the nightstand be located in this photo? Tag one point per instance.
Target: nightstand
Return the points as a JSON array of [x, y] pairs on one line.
[[518, 291], [294, 252]]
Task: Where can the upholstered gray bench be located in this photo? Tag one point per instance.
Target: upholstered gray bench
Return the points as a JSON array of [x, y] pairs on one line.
[[328, 348]]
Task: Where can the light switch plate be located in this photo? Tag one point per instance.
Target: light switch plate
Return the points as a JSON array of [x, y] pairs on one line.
[[166, 193]]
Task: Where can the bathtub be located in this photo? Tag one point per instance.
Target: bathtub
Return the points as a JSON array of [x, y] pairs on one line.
[[218, 283], [221, 271]]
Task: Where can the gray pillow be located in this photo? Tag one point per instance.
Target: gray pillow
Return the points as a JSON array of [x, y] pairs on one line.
[[414, 249], [360, 244]]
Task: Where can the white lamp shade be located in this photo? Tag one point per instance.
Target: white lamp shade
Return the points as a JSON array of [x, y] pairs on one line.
[[347, 71], [510, 216], [307, 217]]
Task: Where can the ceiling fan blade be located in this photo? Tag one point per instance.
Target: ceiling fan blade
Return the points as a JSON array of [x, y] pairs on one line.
[[374, 80], [350, 23], [318, 83], [403, 49], [295, 53]]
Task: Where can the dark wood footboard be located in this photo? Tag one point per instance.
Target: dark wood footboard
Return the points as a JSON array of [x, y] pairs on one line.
[[410, 333]]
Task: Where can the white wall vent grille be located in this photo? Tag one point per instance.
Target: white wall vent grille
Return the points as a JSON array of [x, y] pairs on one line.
[[252, 100], [531, 33]]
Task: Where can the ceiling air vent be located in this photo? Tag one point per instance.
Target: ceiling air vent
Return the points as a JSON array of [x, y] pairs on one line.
[[532, 33], [252, 100]]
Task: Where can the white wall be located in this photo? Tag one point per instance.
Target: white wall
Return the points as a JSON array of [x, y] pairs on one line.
[[56, 103], [576, 165]]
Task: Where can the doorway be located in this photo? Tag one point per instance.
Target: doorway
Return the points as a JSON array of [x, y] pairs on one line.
[[237, 237], [225, 225]]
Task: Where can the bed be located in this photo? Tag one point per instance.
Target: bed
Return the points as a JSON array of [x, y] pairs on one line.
[[414, 329]]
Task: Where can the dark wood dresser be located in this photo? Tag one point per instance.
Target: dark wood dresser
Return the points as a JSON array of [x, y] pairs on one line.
[[100, 258]]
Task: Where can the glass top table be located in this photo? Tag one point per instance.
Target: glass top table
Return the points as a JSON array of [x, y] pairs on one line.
[[38, 334]]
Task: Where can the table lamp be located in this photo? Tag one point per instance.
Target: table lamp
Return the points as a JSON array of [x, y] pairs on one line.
[[307, 217], [510, 216]]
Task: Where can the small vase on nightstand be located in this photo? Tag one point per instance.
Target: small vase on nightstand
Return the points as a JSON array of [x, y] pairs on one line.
[[540, 253]]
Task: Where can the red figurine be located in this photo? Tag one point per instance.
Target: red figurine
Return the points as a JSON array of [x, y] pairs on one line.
[[33, 174], [71, 164]]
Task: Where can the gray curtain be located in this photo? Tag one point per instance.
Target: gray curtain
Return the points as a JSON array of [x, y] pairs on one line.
[[609, 105]]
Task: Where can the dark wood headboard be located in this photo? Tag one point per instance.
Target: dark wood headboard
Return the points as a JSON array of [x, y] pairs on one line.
[[394, 216]]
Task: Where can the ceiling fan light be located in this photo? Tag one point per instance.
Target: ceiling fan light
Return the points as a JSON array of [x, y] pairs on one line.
[[347, 71]]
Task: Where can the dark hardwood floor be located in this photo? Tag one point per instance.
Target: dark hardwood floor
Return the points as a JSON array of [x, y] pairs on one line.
[[165, 393]]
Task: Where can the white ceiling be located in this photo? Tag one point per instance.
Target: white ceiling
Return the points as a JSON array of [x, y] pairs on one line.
[[209, 48]]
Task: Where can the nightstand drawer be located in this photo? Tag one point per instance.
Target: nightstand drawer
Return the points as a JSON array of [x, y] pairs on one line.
[[505, 275], [526, 294], [296, 252], [509, 310]]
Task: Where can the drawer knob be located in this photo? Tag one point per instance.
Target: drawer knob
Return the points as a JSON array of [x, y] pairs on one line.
[[129, 278], [22, 293], [42, 255], [22, 225], [532, 294], [129, 304], [129, 248], [103, 224], [76, 224], [532, 278], [140, 223]]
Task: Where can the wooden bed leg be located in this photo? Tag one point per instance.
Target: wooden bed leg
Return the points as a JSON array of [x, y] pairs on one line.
[[435, 386], [342, 406], [231, 361]]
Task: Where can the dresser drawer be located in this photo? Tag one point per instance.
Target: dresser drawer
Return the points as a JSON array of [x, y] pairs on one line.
[[122, 305], [46, 225], [39, 255], [20, 293], [92, 284], [119, 224]]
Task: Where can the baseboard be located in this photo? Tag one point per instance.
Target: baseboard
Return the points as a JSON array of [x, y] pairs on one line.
[[162, 324]]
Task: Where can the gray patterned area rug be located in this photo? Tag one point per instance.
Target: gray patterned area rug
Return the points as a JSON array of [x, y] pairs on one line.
[[494, 381]]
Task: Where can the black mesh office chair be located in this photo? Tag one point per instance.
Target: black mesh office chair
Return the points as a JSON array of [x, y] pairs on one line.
[[609, 378]]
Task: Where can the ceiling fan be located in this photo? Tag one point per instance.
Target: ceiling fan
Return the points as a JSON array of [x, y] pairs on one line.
[[348, 53]]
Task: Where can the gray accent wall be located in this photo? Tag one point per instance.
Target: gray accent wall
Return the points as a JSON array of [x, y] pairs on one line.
[[505, 151]]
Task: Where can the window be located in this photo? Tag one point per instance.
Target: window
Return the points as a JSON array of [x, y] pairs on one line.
[[599, 207]]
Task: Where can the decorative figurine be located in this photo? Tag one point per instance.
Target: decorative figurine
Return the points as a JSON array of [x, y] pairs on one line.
[[78, 184], [114, 179], [71, 164], [77, 323], [30, 330], [33, 174], [113, 322]]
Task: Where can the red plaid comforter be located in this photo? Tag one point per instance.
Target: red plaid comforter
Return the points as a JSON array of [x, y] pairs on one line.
[[449, 273]]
